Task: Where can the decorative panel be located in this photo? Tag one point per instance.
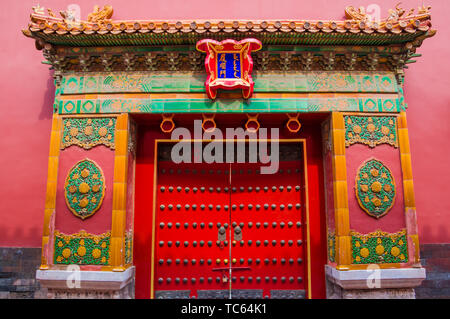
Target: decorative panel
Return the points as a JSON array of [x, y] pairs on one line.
[[371, 130], [379, 247], [375, 188], [89, 132], [277, 103], [82, 248], [84, 188], [313, 81]]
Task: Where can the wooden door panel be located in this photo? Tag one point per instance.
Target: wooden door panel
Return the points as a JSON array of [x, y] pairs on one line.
[[191, 205]]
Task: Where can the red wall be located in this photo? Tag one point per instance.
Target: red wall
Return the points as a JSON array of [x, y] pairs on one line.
[[27, 94]]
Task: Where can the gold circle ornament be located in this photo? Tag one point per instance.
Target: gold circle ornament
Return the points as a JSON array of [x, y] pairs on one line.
[[72, 189], [376, 201], [371, 127], [395, 251], [376, 187], [385, 130], [81, 251], [66, 253], [84, 202], [379, 249], [96, 253], [84, 188], [85, 173], [88, 130], [102, 131], [73, 131], [364, 252], [357, 129]]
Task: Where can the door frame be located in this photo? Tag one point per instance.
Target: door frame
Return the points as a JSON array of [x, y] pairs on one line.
[[155, 182]]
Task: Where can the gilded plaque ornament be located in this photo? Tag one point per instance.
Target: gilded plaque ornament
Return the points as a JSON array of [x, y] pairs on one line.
[[371, 130], [84, 188], [82, 248], [375, 188], [89, 132], [379, 247]]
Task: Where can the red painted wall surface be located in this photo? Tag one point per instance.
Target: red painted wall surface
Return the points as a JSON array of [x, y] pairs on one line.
[[27, 94]]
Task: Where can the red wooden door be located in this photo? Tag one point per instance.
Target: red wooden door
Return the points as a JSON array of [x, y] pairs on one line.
[[192, 207], [268, 252], [227, 231]]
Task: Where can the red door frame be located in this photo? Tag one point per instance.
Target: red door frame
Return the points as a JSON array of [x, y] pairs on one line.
[[144, 223]]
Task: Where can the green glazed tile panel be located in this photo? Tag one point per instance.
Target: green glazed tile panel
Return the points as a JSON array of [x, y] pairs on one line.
[[184, 82], [282, 105]]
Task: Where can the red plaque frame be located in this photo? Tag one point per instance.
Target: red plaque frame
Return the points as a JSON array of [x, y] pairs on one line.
[[241, 50]]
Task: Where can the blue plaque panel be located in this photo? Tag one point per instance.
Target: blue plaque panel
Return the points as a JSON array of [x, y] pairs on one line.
[[229, 66]]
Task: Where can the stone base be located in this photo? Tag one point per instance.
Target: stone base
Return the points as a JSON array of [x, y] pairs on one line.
[[124, 293], [373, 283], [336, 292], [62, 284]]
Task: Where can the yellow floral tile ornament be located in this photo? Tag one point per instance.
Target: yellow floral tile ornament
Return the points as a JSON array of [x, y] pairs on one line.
[[84, 194], [379, 247], [375, 188], [82, 248]]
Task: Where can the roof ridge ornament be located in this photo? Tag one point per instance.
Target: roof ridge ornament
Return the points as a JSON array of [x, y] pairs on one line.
[[396, 16], [357, 21], [101, 15]]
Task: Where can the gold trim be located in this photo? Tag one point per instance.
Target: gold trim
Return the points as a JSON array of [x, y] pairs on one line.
[[379, 233], [340, 190], [308, 244], [50, 199], [119, 200], [408, 187]]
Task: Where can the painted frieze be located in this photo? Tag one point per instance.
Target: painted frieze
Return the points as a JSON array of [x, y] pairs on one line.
[[84, 188], [375, 188], [89, 132], [379, 247], [152, 103], [371, 130], [161, 82]]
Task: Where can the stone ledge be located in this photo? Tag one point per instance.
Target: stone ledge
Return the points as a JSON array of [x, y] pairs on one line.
[[388, 278], [89, 280]]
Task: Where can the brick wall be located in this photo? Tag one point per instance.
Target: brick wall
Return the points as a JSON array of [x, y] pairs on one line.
[[436, 259], [18, 273]]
